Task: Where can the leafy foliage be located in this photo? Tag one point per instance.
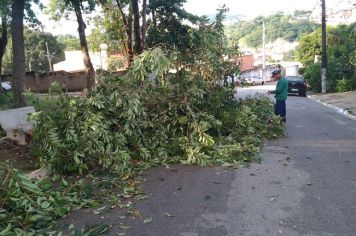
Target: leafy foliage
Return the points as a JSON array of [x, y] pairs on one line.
[[203, 51], [341, 58], [125, 124], [69, 41], [313, 77], [28, 208], [59, 8], [36, 52], [106, 31], [6, 101]]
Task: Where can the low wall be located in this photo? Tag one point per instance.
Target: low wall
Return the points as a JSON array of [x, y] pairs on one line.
[[40, 82], [72, 81]]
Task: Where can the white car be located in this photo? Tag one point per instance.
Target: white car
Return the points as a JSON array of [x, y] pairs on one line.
[[6, 86], [254, 80]]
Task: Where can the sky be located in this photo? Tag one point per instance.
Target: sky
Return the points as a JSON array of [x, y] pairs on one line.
[[248, 8]]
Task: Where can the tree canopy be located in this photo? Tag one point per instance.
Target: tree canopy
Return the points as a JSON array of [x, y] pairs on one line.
[[341, 54], [69, 41], [36, 51], [279, 25]]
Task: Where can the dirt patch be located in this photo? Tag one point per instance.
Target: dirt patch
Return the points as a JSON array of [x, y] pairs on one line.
[[346, 100], [17, 155]]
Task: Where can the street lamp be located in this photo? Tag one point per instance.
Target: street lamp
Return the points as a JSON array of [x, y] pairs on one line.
[[103, 47]]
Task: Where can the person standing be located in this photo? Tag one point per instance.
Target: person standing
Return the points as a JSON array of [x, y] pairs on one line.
[[281, 93]]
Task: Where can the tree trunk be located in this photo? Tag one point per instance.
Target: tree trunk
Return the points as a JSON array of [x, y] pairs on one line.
[[128, 28], [18, 50], [129, 37], [3, 44], [154, 18], [84, 45], [137, 31], [144, 23]]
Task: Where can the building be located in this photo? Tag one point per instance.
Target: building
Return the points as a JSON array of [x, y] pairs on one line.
[[245, 62], [248, 68], [74, 61]]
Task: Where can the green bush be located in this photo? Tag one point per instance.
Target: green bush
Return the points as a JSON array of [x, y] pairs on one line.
[[6, 101], [312, 75], [345, 85]]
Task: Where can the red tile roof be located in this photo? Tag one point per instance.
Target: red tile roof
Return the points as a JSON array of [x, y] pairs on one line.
[[245, 62]]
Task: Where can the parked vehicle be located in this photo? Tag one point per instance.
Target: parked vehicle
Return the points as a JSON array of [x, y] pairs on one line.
[[5, 86], [254, 80], [297, 85]]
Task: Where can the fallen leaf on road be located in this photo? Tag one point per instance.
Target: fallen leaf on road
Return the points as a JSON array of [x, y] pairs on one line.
[[168, 215], [148, 220], [122, 226]]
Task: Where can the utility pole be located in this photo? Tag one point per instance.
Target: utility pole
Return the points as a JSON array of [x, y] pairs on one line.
[[264, 50], [323, 48], [49, 58]]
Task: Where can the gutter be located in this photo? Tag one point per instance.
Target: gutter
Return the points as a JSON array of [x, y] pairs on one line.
[[339, 110]]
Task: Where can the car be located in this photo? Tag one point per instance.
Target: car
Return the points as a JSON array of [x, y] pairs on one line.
[[254, 80], [5, 86], [297, 85]]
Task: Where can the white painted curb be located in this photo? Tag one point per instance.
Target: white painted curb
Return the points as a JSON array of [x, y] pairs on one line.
[[334, 108]]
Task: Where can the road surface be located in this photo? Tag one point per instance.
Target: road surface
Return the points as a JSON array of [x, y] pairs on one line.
[[306, 185]]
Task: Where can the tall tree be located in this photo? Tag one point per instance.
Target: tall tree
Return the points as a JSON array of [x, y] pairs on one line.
[[57, 7], [168, 24], [18, 50], [3, 43], [137, 30], [4, 12], [144, 23], [36, 43], [128, 28]]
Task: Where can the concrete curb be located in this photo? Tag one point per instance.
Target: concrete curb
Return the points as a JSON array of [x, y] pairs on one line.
[[334, 108]]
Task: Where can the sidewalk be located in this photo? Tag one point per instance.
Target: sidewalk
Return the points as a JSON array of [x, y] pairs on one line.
[[346, 102]]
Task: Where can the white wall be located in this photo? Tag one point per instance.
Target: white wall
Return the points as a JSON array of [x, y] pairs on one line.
[[74, 61]]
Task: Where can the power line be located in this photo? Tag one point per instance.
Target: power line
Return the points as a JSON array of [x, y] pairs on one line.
[[311, 12], [345, 12]]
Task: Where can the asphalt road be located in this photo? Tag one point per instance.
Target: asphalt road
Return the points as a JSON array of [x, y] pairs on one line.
[[306, 185]]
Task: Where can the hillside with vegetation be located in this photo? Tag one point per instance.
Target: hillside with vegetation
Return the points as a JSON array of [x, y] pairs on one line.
[[289, 27]]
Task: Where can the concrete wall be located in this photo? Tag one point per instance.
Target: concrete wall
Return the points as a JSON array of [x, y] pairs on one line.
[[40, 82]]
